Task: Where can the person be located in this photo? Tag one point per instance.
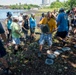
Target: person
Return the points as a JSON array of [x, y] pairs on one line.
[[15, 33], [62, 22], [50, 27], [8, 22], [72, 16], [42, 16], [33, 24], [25, 25], [3, 50], [74, 19], [69, 22], [20, 20], [75, 31]]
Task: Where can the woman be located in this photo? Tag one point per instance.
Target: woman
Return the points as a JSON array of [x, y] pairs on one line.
[[8, 23], [15, 33], [25, 25], [32, 21]]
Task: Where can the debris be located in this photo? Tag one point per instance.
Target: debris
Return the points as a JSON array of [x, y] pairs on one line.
[[52, 56], [49, 61], [66, 49]]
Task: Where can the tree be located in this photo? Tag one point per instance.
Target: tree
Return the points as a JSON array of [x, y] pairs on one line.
[[56, 5], [57, 0], [29, 7], [72, 3]]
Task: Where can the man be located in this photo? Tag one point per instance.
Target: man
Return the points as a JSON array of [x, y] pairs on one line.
[[62, 22], [3, 50], [47, 32]]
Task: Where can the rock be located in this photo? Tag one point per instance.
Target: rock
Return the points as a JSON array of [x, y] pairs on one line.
[[74, 46], [57, 52], [65, 68], [60, 70], [49, 52], [52, 56], [23, 65], [66, 49], [49, 61]]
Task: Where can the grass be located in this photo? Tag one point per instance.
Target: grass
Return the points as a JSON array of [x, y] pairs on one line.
[[47, 9]]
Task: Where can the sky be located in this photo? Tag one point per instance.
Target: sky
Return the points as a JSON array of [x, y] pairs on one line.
[[8, 2]]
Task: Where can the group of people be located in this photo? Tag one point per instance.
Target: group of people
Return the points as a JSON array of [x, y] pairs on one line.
[[18, 24], [48, 23]]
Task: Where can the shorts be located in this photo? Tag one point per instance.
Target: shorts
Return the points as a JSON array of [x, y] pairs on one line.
[[62, 34], [2, 50], [16, 41], [32, 30], [45, 38]]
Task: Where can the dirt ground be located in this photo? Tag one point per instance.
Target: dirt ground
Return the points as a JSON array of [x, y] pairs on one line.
[[26, 61]]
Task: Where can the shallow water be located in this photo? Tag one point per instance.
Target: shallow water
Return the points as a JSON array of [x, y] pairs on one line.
[[3, 12]]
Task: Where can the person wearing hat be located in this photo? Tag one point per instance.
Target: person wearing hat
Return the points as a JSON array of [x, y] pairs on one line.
[[33, 24], [8, 22], [62, 22], [15, 33]]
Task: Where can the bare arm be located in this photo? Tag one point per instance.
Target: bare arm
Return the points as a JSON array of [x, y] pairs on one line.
[[23, 26]]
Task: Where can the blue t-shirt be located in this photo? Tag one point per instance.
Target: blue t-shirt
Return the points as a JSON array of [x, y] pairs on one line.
[[9, 22], [63, 20], [32, 22]]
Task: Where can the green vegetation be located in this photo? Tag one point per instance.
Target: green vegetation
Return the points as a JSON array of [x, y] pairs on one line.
[[66, 4], [23, 6], [69, 4], [72, 3], [56, 4]]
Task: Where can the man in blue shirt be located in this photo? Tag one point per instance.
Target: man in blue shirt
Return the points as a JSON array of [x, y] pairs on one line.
[[62, 22]]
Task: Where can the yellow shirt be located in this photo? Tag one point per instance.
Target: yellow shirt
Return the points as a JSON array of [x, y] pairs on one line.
[[51, 23]]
